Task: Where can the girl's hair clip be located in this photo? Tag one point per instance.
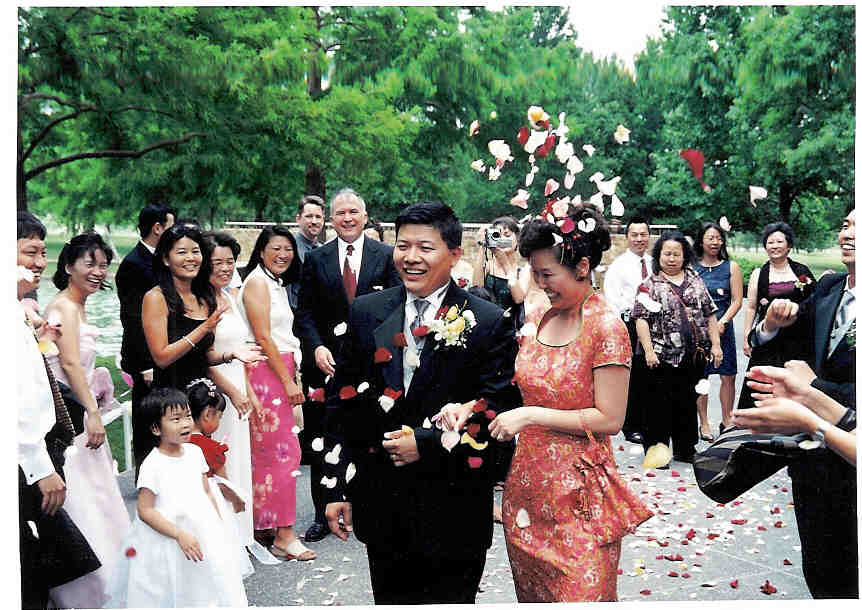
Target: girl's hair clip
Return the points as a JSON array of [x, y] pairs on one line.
[[211, 388]]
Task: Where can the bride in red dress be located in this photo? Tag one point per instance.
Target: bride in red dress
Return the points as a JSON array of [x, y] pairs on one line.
[[565, 506]]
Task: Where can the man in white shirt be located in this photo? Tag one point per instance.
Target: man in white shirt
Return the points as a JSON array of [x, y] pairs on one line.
[[622, 279]]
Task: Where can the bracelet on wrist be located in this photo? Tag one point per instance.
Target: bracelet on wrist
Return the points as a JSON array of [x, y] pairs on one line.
[[847, 421]]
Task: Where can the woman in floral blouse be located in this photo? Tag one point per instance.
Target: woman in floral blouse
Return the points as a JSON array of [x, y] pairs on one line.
[[675, 320]]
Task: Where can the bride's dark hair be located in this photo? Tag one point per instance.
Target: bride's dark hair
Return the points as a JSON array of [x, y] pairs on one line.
[[587, 235]]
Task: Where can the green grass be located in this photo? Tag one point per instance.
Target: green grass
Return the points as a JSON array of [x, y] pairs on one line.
[[114, 431]]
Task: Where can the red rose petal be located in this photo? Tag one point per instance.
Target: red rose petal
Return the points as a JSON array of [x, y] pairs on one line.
[[736, 502], [131, 552], [779, 524], [649, 474], [739, 521], [444, 309], [474, 462], [318, 395], [619, 571], [541, 152], [659, 557], [480, 405], [784, 489], [393, 394], [686, 575], [684, 542], [776, 511], [473, 430], [382, 355], [462, 282], [523, 136], [568, 226], [420, 331], [674, 473], [761, 528], [645, 592], [787, 562], [663, 543], [673, 574], [347, 392], [767, 588], [690, 534], [709, 515], [682, 489], [734, 584], [712, 536], [490, 414], [399, 340]]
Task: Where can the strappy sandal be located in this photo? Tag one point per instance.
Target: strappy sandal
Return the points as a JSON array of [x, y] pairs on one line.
[[295, 550]]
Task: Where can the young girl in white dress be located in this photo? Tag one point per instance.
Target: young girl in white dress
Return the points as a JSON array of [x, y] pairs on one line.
[[178, 553]]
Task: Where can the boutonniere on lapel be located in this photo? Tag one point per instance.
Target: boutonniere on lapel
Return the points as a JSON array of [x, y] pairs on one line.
[[803, 282], [850, 336], [450, 327]]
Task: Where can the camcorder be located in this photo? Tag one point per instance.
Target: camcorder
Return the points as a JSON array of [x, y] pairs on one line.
[[494, 238]]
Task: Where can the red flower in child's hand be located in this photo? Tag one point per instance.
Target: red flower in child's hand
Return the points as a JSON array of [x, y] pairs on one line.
[[382, 355], [399, 340], [347, 392], [480, 405]]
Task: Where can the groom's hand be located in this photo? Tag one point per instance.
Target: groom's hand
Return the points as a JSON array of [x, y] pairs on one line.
[[340, 519], [401, 447]]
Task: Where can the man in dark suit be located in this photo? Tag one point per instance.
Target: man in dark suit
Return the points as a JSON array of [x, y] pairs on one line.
[[824, 485], [134, 278], [332, 276], [421, 503]]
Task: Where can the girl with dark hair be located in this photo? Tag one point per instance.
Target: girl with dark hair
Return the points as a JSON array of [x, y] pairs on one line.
[[500, 274], [180, 314], [572, 368], [274, 389], [723, 279], [676, 325], [97, 506], [780, 277]]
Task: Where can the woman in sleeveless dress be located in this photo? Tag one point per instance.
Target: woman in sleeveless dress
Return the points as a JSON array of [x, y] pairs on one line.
[[231, 334], [723, 279], [275, 453], [93, 500], [565, 506], [779, 278]]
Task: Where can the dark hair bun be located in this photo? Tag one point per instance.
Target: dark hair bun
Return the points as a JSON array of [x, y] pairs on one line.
[[583, 232]]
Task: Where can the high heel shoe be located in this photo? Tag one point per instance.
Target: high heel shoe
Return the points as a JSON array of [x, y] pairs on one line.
[[707, 437]]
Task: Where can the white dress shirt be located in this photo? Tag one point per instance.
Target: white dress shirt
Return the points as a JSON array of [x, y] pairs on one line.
[[435, 300], [149, 248], [623, 278], [35, 400], [355, 259]]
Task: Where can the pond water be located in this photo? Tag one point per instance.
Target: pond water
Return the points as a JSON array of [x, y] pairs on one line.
[[103, 311]]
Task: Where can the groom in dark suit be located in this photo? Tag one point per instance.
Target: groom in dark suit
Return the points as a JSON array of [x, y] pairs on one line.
[[420, 501], [824, 485], [134, 278], [332, 276]]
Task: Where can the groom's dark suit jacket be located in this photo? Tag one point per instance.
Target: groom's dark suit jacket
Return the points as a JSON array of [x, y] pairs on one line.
[[322, 302], [437, 505], [134, 278]]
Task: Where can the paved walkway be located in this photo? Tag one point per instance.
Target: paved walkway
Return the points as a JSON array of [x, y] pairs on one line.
[[747, 542]]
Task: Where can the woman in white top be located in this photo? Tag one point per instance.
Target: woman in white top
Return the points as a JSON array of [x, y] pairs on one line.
[[275, 451]]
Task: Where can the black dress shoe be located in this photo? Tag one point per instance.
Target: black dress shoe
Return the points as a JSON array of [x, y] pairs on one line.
[[634, 437], [317, 532]]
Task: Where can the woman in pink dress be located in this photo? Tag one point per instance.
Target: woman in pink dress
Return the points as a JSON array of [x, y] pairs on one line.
[[93, 500], [275, 451], [565, 506]]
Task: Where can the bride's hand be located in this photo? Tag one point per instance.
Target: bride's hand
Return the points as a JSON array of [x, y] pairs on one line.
[[506, 425], [453, 416]]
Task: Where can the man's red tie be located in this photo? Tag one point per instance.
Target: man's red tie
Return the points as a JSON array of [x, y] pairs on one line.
[[348, 277], [643, 269]]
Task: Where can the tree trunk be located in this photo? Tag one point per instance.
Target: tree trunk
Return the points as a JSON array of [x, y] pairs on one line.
[[785, 201], [315, 181], [20, 183]]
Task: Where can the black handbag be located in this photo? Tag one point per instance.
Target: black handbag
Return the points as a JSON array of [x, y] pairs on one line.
[[740, 459]]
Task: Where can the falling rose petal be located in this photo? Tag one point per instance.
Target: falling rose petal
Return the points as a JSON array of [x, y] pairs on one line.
[[621, 135], [645, 592], [673, 574], [690, 534], [569, 181], [500, 150], [702, 387], [520, 199], [779, 524], [528, 330], [617, 208], [347, 392], [474, 128], [568, 226], [597, 200], [536, 115], [739, 521], [333, 456], [25, 275], [551, 187], [528, 179], [536, 139], [724, 223], [362, 387], [316, 395], [131, 552], [340, 329], [674, 474], [560, 208], [597, 177], [386, 403], [685, 575], [522, 518], [542, 151], [557, 239], [296, 429], [608, 187], [493, 173], [523, 136], [652, 306], [767, 588], [399, 340], [787, 562], [317, 444], [550, 142], [296, 473], [329, 482], [710, 516], [474, 462], [564, 152], [426, 424], [350, 472], [586, 225], [382, 355], [734, 584], [412, 358], [755, 193], [775, 511], [478, 165], [589, 149], [574, 165], [450, 439]]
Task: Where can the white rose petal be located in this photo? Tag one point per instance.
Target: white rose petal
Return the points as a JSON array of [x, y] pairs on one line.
[[500, 150], [377, 287], [520, 199], [647, 301], [317, 444], [386, 403], [586, 225], [536, 139], [493, 173], [27, 276], [33, 529], [702, 387], [333, 456], [724, 223], [528, 179], [296, 473], [589, 149], [560, 208], [362, 387], [621, 134], [557, 239], [574, 165], [412, 358], [116, 468], [426, 424], [522, 519], [328, 482], [450, 439], [551, 186], [565, 152], [296, 429], [755, 193], [597, 201], [597, 177], [340, 329], [569, 181], [478, 165], [528, 330], [608, 187], [350, 473], [276, 402], [617, 208], [550, 218]]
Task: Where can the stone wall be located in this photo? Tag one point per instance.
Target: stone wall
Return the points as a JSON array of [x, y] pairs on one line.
[[246, 235]]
